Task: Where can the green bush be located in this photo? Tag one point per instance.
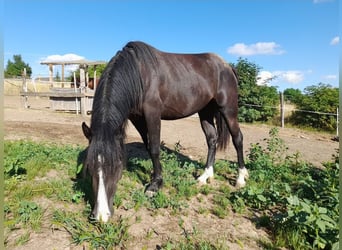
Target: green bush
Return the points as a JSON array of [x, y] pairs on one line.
[[300, 200], [256, 103], [320, 98]]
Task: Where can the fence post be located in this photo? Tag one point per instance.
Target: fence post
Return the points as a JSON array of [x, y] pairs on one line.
[[337, 122], [75, 89], [282, 109], [25, 88]]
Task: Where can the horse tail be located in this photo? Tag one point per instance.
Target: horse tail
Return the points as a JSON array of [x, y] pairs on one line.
[[223, 133]]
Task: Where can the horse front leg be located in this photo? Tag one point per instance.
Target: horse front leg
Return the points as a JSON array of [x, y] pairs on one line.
[[153, 128], [208, 127]]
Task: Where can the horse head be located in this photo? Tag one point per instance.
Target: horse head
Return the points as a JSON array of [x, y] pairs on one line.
[[99, 164]]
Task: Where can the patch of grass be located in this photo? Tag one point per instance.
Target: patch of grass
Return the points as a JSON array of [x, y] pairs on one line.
[[22, 239], [25, 165], [205, 189], [297, 203], [30, 213], [221, 208], [97, 235], [23, 214], [194, 240], [300, 200]]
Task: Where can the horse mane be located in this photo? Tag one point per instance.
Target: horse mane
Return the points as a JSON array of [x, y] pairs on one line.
[[120, 91]]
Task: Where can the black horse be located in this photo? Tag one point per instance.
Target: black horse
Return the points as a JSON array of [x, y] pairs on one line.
[[145, 85]]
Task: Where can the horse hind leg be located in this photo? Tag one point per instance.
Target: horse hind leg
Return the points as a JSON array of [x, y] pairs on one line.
[[208, 127], [232, 121]]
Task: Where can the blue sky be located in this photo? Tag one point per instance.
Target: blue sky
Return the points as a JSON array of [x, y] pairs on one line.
[[295, 40]]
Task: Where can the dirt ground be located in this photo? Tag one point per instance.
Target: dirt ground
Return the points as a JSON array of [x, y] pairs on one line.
[[39, 123]]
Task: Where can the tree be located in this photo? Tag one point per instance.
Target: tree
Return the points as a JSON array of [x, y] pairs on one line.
[[99, 69], [317, 98], [16, 68], [256, 103], [57, 77], [292, 95]]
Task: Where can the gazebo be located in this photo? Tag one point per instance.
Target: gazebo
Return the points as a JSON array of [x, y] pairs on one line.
[[83, 66], [69, 99]]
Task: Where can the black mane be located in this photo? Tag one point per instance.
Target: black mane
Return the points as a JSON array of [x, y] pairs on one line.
[[119, 92]]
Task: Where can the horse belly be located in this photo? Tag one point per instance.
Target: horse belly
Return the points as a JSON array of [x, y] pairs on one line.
[[183, 105]]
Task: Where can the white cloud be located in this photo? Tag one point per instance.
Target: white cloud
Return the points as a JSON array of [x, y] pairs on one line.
[[64, 58], [61, 58], [263, 77], [290, 76], [260, 48], [330, 77], [322, 1], [293, 76], [335, 40]]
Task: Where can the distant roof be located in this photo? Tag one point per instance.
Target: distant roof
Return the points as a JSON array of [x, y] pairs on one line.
[[79, 62]]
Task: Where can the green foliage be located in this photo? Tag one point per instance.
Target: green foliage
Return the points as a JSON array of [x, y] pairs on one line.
[[320, 98], [221, 206], [292, 95], [31, 159], [256, 103], [16, 68], [313, 209], [298, 201], [23, 213], [30, 214], [99, 70], [98, 235], [295, 201]]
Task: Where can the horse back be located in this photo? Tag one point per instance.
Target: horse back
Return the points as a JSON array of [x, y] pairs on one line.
[[183, 84]]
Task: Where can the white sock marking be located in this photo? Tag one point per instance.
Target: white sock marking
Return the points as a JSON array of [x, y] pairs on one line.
[[103, 212], [242, 177], [208, 173]]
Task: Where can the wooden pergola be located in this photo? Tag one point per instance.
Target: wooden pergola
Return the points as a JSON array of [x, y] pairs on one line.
[[77, 99], [83, 65]]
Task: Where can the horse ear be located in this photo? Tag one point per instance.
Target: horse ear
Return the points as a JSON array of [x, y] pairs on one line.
[[86, 131]]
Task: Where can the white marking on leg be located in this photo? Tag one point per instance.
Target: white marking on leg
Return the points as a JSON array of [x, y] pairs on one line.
[[103, 212], [208, 173], [150, 194], [242, 177]]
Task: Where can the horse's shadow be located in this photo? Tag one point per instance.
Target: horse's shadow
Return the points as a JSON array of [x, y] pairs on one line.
[[136, 153]]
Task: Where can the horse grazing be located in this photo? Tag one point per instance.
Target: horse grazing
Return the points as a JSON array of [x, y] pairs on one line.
[[145, 85]]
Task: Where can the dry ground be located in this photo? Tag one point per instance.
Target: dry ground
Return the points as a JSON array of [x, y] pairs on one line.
[[41, 124]]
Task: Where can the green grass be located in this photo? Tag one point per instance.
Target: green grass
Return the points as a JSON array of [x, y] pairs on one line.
[[98, 235], [296, 203]]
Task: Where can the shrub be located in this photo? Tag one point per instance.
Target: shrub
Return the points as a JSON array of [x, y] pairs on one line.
[[300, 200]]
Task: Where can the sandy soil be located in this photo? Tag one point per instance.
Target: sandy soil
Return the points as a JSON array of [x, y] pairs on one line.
[[39, 123]]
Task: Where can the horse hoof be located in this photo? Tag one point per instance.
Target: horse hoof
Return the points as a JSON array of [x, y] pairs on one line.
[[201, 183], [150, 193], [240, 184], [242, 177], [207, 174]]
